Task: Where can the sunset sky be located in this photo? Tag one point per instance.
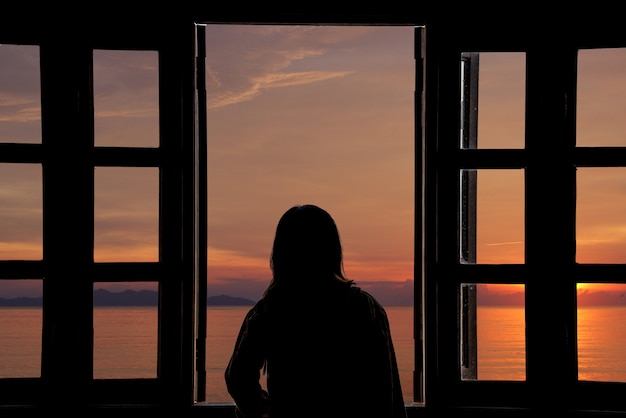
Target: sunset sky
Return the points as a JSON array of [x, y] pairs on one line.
[[313, 114], [320, 115]]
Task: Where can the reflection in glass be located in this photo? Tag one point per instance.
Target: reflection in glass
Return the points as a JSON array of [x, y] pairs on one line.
[[126, 98], [21, 214], [20, 97], [600, 215], [601, 98], [126, 214]]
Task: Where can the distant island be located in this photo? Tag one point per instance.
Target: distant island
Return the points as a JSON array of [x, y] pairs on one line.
[[102, 297]]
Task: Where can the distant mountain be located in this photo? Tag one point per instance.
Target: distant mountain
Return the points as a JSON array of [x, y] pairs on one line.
[[102, 297], [20, 302], [225, 300]]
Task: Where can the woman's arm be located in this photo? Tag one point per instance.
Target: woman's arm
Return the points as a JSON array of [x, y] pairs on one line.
[[243, 374]]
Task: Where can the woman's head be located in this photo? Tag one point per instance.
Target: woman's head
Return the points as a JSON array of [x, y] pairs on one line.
[[306, 244]]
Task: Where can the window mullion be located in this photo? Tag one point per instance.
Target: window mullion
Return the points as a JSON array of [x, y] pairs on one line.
[[442, 221], [67, 138], [550, 221], [201, 193], [178, 216]]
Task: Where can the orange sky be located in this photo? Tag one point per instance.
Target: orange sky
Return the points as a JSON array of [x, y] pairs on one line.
[[319, 115]]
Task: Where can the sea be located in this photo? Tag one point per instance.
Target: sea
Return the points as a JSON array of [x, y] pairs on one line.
[[125, 344]]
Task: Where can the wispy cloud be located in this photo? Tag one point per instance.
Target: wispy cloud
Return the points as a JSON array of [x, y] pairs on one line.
[[494, 244], [229, 258], [18, 108], [25, 114], [127, 113], [272, 81]]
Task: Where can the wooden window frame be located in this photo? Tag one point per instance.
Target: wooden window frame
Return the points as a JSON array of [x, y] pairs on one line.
[[68, 158], [549, 159]]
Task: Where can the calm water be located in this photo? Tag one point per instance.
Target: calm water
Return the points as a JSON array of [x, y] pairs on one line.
[[125, 344]]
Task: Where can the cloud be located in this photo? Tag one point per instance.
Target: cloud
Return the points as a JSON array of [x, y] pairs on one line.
[[234, 259], [147, 111], [245, 60], [238, 287], [19, 110], [271, 81], [391, 293], [19, 84]]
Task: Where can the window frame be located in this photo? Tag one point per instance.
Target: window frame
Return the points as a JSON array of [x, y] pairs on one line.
[[438, 159], [549, 158], [68, 158]]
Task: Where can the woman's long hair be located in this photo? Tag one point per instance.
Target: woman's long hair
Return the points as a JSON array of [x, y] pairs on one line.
[[307, 249]]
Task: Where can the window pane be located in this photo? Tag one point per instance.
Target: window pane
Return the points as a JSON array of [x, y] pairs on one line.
[[126, 98], [320, 115], [21, 215], [499, 216], [601, 332], [20, 97], [20, 328], [126, 219], [501, 99], [125, 326], [500, 332], [601, 98], [600, 215]]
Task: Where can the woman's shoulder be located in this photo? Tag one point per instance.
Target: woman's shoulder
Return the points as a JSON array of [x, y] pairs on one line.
[[257, 311], [359, 292], [367, 299]]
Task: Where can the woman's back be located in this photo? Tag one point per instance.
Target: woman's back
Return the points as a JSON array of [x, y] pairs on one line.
[[330, 344]]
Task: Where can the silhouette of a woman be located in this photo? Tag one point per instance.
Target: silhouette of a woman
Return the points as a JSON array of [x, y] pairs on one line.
[[324, 342]]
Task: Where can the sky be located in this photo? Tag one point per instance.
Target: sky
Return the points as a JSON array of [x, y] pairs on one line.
[[320, 115], [311, 114]]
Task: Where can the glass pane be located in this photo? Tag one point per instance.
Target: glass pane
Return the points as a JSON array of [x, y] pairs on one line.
[[20, 328], [320, 115], [500, 343], [125, 326], [601, 98], [126, 218], [501, 99], [600, 215], [20, 97], [21, 214], [601, 332], [126, 98], [499, 216]]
